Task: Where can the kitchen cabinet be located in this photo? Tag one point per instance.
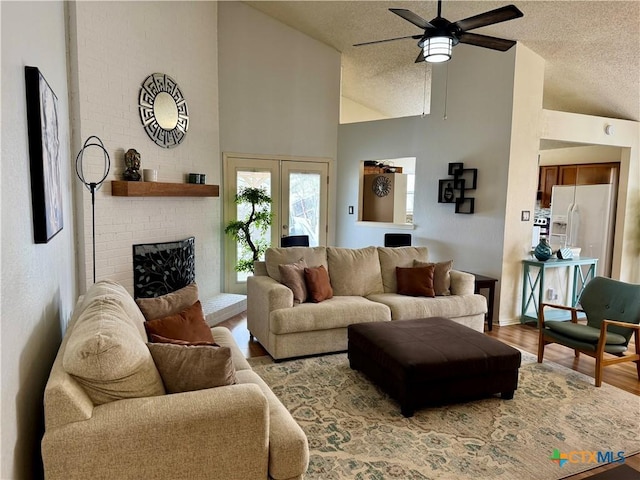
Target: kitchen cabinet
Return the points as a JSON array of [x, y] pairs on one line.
[[548, 178], [580, 174]]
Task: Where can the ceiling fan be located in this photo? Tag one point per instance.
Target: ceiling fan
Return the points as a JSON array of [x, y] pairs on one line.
[[440, 35]]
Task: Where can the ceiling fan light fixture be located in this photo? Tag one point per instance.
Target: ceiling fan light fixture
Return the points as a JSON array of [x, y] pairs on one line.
[[437, 49]]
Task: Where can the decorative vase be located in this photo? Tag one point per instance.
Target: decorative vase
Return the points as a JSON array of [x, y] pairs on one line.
[[543, 250]]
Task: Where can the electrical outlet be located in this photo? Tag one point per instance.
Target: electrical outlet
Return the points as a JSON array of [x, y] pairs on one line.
[[551, 294]]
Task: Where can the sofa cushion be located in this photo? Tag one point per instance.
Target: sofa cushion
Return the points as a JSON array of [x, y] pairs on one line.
[[292, 275], [224, 338], [390, 258], [188, 325], [318, 284], [185, 368], [354, 271], [416, 281], [313, 256], [452, 306], [168, 304], [441, 276], [107, 355], [109, 290], [337, 312]]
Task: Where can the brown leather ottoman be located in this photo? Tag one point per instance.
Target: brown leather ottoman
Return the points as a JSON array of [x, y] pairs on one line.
[[432, 361]]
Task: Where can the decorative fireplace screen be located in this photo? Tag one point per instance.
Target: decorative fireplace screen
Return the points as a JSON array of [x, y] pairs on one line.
[[161, 268]]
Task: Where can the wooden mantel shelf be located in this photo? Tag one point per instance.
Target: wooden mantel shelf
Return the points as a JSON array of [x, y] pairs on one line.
[[161, 189]]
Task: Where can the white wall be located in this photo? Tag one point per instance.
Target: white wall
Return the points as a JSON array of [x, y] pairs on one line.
[[528, 84], [582, 154], [279, 89], [476, 132], [114, 47], [38, 281], [352, 111]]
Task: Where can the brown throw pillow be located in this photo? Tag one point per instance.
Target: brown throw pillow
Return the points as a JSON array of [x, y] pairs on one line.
[[160, 339], [188, 325], [441, 276], [168, 304], [416, 281], [318, 284], [292, 275], [185, 368]]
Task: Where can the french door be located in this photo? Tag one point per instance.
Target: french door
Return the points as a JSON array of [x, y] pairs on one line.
[[298, 188]]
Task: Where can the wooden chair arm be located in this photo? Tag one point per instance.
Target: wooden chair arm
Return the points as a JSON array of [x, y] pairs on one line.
[[605, 323], [574, 312], [602, 340]]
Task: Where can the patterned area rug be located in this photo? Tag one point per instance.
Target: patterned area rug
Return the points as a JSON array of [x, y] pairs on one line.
[[356, 431]]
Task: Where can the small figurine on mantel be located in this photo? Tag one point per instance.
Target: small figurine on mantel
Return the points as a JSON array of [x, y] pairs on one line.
[[132, 162]]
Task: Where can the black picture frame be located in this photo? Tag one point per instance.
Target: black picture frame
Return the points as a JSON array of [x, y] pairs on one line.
[[455, 168], [44, 156], [465, 205], [446, 187], [469, 177]]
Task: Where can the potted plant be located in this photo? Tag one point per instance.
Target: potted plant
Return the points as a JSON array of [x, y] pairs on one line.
[[249, 230]]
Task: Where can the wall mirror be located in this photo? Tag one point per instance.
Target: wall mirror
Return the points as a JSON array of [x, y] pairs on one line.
[[386, 191], [163, 110]]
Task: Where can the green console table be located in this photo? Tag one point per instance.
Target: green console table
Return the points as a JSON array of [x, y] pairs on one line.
[[533, 281]]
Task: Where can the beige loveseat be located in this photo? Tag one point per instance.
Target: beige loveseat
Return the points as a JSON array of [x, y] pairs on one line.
[[365, 290], [240, 431]]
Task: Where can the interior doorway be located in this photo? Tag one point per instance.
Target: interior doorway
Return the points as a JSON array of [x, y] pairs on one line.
[[298, 188]]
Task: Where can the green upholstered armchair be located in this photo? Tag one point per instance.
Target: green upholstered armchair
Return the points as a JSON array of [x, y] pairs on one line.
[[613, 315]]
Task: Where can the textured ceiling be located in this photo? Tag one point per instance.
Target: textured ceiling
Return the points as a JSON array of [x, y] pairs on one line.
[[591, 49]]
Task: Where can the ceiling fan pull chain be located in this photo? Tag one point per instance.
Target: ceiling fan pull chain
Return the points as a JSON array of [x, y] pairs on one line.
[[424, 92], [446, 91]]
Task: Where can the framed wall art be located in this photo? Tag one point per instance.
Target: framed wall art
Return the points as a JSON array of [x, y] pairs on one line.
[[44, 156]]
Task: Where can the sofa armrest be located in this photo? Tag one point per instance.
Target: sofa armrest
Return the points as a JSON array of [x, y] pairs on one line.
[[264, 295], [462, 283], [185, 435]]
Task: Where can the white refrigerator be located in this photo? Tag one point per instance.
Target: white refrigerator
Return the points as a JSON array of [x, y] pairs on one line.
[[583, 216]]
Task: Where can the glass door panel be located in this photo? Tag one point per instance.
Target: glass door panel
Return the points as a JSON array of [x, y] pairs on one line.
[[243, 173], [251, 179], [305, 185]]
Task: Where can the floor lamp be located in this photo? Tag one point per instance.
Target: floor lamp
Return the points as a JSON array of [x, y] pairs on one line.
[[92, 141]]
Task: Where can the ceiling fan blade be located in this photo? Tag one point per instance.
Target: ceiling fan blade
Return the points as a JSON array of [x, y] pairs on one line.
[[501, 44], [502, 14], [420, 57], [409, 16], [415, 37]]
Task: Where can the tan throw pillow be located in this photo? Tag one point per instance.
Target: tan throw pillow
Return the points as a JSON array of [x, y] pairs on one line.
[[185, 368], [318, 284], [292, 276], [354, 271], [441, 276], [168, 304], [188, 325], [107, 355], [416, 281]]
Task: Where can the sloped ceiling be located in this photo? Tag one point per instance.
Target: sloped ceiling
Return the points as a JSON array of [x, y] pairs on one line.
[[591, 49]]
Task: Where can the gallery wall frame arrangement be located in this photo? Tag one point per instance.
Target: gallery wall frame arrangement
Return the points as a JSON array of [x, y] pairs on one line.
[[44, 155], [453, 190]]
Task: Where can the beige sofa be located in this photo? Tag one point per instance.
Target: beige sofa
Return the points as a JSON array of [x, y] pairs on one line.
[[240, 431], [365, 290]]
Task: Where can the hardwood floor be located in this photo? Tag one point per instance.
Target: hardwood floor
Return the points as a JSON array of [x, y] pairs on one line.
[[525, 337]]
